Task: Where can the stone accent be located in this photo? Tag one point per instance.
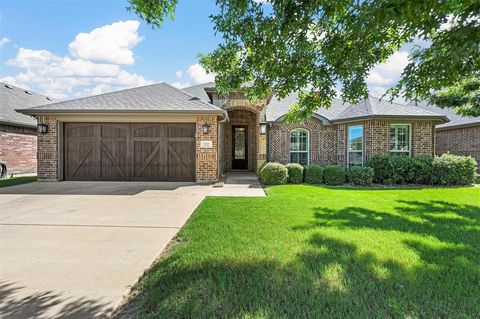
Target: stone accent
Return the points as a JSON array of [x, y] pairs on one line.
[[18, 148], [47, 156], [206, 158], [237, 101], [460, 141]]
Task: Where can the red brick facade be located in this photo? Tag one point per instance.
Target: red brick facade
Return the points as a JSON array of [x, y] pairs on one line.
[[207, 169], [18, 149], [47, 157], [460, 141], [328, 144]]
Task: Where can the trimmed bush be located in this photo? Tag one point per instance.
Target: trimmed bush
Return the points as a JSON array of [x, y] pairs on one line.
[[334, 175], [313, 174], [417, 170], [274, 174], [295, 173], [259, 168], [449, 169], [361, 176], [383, 170]]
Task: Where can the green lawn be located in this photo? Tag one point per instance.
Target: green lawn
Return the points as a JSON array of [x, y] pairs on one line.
[[317, 252], [17, 180]]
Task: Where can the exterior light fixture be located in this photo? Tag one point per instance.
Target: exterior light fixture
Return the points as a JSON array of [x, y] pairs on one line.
[[205, 128], [42, 128], [263, 128]]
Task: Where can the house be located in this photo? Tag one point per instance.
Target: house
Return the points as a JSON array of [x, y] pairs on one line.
[[161, 133], [18, 132], [460, 136]]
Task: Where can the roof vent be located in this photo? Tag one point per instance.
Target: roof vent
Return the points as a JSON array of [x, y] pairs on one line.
[[28, 92], [48, 98], [8, 86]]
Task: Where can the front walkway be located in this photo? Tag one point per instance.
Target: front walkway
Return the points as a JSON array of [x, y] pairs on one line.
[[244, 184]]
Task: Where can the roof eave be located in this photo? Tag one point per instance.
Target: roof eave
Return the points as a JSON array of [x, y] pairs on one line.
[[458, 126], [98, 111], [439, 118], [15, 123]]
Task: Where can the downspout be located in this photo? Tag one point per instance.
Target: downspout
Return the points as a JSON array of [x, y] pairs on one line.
[[225, 120]]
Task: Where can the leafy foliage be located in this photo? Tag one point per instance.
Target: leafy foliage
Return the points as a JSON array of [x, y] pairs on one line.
[[450, 169], [288, 46], [313, 174], [274, 174], [383, 169], [465, 97], [334, 175], [295, 173], [361, 176]]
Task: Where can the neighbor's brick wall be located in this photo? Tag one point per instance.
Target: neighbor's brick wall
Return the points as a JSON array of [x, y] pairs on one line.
[[18, 149], [459, 141], [47, 157], [207, 169]]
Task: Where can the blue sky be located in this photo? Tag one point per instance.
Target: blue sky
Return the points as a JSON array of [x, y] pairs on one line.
[[72, 48]]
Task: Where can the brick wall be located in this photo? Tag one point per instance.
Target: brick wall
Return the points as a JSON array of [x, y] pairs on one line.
[[461, 141], [328, 144], [206, 170], [18, 148], [47, 157]]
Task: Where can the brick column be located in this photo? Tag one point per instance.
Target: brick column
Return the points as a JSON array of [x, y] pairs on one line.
[[47, 154], [422, 138], [206, 158]]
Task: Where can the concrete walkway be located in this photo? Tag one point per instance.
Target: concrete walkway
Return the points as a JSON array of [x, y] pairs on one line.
[[239, 184]]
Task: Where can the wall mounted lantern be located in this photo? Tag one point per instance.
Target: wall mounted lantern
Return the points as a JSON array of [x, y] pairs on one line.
[[205, 128], [42, 128], [263, 128]]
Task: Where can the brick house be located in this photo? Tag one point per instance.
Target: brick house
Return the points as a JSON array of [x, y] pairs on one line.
[[18, 132], [160, 133], [460, 136]]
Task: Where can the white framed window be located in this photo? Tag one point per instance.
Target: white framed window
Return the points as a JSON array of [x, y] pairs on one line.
[[400, 139], [299, 146], [355, 145]]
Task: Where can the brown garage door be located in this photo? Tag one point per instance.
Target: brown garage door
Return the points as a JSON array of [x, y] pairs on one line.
[[131, 152]]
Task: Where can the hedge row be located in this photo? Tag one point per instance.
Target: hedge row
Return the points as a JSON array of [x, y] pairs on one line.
[[277, 174], [446, 169]]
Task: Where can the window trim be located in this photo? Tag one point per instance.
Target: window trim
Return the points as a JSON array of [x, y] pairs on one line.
[[409, 138], [348, 143], [308, 144]]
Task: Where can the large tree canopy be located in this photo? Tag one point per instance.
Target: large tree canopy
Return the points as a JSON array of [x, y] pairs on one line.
[[318, 46]]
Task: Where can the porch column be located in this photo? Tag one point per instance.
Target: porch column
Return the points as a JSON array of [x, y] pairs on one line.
[[261, 144]]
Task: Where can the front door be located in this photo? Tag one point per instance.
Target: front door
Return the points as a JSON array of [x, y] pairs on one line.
[[240, 147]]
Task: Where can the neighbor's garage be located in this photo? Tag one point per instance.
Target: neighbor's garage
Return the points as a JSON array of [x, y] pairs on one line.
[[129, 151]]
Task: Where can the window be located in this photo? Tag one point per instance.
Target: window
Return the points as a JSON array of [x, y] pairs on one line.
[[355, 145], [299, 147], [400, 139]]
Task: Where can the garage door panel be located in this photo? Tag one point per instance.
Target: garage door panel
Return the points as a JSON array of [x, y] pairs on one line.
[[181, 161], [127, 151]]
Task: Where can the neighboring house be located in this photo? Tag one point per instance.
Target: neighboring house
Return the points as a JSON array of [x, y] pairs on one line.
[[18, 132], [160, 133], [460, 136]]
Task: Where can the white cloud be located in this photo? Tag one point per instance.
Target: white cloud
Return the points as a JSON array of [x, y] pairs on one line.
[[194, 74], [112, 43], [388, 73], [4, 41], [73, 75]]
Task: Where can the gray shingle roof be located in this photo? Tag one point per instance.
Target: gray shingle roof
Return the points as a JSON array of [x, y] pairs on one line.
[[199, 90], [12, 98], [455, 119], [160, 97], [339, 111]]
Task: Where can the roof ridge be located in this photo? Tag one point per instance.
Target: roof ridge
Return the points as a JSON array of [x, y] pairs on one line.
[[96, 95], [190, 95], [196, 85]]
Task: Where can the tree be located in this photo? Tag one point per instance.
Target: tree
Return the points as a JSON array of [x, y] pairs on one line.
[[318, 45]]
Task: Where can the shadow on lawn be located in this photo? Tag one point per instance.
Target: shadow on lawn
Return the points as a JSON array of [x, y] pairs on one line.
[[331, 278]]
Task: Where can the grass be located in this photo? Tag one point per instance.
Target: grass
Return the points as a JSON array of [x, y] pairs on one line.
[[17, 180], [318, 252]]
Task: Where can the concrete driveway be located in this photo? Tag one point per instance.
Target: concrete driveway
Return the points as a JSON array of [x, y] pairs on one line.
[[73, 249]]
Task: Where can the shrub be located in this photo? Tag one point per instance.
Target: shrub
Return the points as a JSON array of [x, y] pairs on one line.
[[359, 175], [383, 170], [259, 168], [274, 174], [416, 170], [313, 174], [334, 175], [295, 173], [449, 169]]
